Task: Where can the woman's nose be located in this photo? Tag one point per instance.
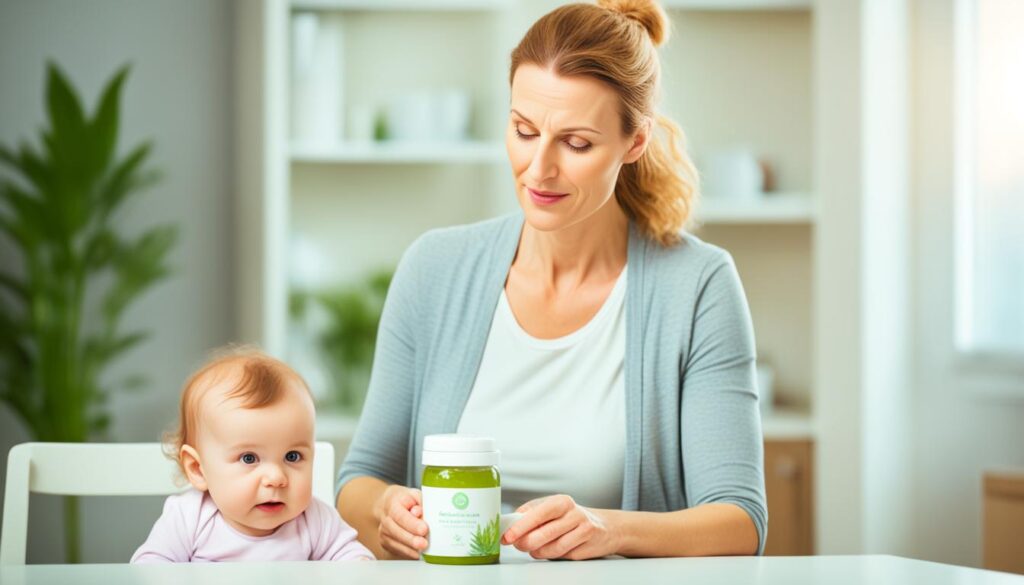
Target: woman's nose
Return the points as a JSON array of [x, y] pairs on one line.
[[543, 166]]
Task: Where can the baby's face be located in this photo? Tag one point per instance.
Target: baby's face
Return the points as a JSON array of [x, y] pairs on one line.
[[258, 462]]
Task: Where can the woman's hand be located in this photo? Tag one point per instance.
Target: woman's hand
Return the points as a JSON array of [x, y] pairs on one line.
[[556, 527], [402, 531]]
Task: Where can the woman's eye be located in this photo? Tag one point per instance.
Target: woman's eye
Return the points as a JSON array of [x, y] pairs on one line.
[[249, 458], [522, 134], [578, 145], [293, 457]]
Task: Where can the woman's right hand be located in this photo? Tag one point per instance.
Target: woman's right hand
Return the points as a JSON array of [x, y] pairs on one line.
[[402, 531]]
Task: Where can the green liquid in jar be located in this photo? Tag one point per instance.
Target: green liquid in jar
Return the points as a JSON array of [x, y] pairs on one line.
[[455, 478]]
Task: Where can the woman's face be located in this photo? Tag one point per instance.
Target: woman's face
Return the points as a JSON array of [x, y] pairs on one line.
[[566, 146]]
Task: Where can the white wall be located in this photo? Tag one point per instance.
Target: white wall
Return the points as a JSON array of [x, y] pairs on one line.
[[961, 428], [862, 377], [906, 434], [178, 94]]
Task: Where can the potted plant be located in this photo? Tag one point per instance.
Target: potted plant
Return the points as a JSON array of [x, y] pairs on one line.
[[61, 307], [348, 339]]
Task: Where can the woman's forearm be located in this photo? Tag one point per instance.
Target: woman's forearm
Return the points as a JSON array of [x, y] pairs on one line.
[[707, 530], [357, 504]]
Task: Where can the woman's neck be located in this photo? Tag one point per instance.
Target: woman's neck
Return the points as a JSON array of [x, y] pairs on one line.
[[594, 249]]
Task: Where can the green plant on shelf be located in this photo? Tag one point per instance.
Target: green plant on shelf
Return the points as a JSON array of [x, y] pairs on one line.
[[486, 539], [349, 339]]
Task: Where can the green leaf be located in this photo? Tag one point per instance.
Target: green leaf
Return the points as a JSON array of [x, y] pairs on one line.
[[486, 539], [30, 217], [105, 124], [15, 286], [125, 178], [298, 303], [65, 109], [100, 249], [99, 423], [137, 266], [133, 383], [29, 165], [100, 351]]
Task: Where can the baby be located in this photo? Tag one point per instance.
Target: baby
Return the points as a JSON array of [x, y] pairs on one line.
[[245, 443]]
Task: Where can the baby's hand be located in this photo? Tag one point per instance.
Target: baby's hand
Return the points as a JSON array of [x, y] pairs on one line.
[[402, 531]]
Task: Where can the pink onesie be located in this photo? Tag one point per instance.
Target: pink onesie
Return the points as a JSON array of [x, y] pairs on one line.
[[192, 530]]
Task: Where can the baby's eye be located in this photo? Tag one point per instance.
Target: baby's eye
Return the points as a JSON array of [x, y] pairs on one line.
[[293, 457], [249, 458]]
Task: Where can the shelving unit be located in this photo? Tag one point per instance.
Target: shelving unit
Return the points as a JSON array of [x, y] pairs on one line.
[[400, 5], [399, 153], [736, 72], [774, 208], [738, 5], [362, 203]]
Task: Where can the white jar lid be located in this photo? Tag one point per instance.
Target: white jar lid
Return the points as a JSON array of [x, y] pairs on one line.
[[460, 450]]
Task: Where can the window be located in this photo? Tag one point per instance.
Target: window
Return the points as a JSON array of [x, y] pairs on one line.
[[989, 221]]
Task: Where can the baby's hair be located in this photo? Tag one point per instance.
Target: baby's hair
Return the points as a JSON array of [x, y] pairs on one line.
[[261, 381]]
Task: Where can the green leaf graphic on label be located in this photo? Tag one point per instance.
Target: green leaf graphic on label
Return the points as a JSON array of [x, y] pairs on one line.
[[486, 539], [460, 501]]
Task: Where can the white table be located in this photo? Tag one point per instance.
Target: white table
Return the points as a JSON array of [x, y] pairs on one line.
[[839, 570]]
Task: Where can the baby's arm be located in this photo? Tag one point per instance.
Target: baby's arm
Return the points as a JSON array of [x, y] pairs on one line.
[[170, 539], [333, 539]]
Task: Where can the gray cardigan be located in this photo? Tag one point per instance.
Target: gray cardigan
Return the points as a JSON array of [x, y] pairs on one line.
[[693, 429]]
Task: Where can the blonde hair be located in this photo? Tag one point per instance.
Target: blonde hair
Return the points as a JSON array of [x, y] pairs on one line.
[[261, 381], [616, 42]]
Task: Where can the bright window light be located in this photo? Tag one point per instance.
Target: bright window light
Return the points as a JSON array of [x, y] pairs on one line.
[[989, 209]]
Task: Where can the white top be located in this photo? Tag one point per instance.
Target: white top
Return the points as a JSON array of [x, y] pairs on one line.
[[192, 530], [555, 406]]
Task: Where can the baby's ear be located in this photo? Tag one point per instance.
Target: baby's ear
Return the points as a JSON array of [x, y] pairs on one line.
[[193, 467]]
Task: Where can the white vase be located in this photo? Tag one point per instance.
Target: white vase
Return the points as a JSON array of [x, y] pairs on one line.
[[733, 173], [316, 79]]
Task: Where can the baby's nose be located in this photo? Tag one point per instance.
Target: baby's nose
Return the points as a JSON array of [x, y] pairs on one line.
[[275, 477]]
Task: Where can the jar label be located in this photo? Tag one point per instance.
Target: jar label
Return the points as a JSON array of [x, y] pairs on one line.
[[463, 522]]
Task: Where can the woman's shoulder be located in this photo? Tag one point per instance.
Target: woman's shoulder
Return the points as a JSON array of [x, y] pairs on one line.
[[690, 259], [461, 246]]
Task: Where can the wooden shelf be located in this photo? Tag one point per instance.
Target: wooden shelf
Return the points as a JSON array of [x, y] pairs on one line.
[[399, 153], [781, 208]]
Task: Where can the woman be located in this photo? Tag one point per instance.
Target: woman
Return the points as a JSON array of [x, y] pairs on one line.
[[611, 358]]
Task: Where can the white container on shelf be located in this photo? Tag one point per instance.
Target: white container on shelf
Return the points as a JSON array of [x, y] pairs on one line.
[[733, 173], [430, 116], [411, 117], [453, 110], [316, 96], [362, 119]]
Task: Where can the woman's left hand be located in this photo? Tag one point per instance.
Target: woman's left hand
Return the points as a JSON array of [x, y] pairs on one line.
[[556, 527]]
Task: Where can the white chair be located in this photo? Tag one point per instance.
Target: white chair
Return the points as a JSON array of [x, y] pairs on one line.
[[103, 469]]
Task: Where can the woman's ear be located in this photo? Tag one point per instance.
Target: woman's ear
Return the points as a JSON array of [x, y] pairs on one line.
[[640, 141], [193, 467]]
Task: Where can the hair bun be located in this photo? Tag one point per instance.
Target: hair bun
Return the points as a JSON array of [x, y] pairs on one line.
[[647, 12]]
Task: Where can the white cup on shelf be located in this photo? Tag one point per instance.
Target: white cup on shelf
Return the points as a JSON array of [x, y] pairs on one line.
[[411, 117], [361, 122], [733, 173], [453, 110]]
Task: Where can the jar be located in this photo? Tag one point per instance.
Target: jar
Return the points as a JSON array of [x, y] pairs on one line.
[[461, 500]]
